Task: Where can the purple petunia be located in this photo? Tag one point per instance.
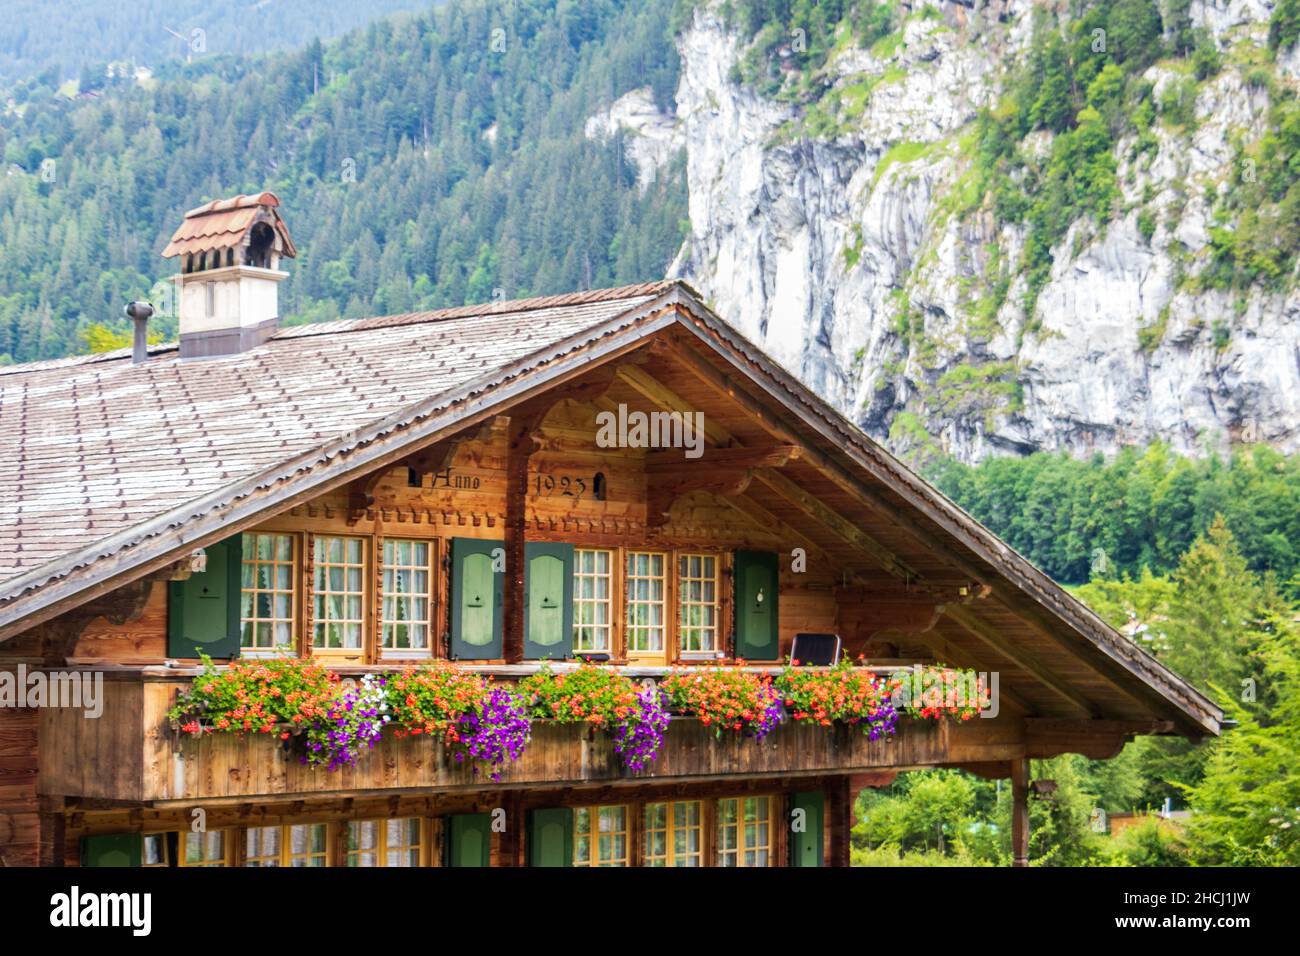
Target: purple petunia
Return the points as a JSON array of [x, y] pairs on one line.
[[496, 733], [352, 726], [773, 713], [637, 739]]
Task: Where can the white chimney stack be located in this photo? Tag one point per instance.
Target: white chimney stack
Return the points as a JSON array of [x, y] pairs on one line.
[[227, 290]]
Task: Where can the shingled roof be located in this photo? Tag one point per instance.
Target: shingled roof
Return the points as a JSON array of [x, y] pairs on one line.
[[92, 445]]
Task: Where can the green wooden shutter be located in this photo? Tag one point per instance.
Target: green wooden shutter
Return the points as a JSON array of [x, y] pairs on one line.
[[806, 847], [469, 839], [203, 610], [548, 600], [757, 592], [550, 837], [112, 849], [477, 592]]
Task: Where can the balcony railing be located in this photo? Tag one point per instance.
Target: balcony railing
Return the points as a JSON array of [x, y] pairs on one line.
[[130, 753]]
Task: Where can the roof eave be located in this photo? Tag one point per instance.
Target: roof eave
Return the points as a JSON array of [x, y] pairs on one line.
[[984, 545]]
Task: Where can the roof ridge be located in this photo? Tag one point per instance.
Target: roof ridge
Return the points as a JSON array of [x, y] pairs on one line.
[[78, 361], [503, 307]]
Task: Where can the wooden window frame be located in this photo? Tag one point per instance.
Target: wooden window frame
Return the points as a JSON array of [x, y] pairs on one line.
[[611, 574], [719, 651], [382, 847], [380, 652], [284, 854], [774, 842], [670, 829], [629, 834], [633, 654], [227, 848], [295, 596], [365, 622]]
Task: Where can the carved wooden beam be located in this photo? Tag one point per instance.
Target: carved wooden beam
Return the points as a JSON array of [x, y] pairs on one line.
[[438, 456], [672, 462], [666, 400], [725, 472], [995, 770], [864, 614], [873, 779], [662, 492], [361, 495], [525, 421], [826, 516]]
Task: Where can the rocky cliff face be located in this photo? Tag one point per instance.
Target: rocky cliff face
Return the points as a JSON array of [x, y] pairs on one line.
[[827, 233]]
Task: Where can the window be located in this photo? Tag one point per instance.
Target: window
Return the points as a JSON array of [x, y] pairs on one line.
[[674, 833], [262, 846], [745, 831], [385, 842], [154, 850], [591, 600], [645, 604], [697, 579], [267, 596], [600, 836], [406, 623], [203, 849], [339, 592], [303, 844]]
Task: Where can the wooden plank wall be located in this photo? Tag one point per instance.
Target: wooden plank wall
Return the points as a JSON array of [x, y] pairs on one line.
[[19, 805], [223, 766], [102, 756], [142, 641]]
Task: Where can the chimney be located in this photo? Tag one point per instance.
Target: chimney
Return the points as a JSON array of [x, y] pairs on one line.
[[226, 293], [139, 314]]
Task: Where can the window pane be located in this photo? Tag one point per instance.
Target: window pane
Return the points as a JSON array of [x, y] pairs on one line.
[[266, 604], [406, 612], [591, 590]]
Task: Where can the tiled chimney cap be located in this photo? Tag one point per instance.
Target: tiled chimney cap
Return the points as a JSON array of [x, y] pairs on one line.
[[223, 223]]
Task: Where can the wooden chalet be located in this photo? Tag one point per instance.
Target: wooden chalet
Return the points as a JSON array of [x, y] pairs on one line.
[[255, 487]]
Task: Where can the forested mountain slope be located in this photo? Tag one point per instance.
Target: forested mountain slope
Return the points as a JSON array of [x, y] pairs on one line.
[[421, 162], [59, 39]]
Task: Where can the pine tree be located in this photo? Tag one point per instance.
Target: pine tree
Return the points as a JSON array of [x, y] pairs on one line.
[[1246, 810]]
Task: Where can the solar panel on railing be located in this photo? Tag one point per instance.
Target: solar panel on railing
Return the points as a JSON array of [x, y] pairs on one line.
[[816, 649]]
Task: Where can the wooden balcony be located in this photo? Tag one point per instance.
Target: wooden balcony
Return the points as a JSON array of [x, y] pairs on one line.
[[131, 754]]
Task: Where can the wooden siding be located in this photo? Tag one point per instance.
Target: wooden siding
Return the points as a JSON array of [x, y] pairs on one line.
[[20, 829], [130, 754]]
